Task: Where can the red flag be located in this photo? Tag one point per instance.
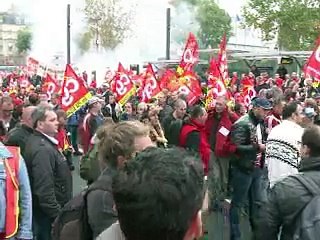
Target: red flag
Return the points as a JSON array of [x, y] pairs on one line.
[[190, 55], [222, 59], [74, 93], [150, 86], [123, 87], [32, 66], [312, 68], [50, 86]]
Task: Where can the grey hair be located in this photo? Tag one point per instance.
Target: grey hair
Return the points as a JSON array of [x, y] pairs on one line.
[[39, 114]]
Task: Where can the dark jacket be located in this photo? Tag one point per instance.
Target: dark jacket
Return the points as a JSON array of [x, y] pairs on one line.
[[164, 112], [100, 204], [18, 137], [286, 200], [171, 128], [244, 135], [50, 177]]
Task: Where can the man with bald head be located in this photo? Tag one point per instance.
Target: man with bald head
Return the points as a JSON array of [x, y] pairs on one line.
[[19, 135]]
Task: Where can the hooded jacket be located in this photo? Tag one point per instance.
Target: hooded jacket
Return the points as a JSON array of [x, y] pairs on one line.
[[286, 201], [193, 137]]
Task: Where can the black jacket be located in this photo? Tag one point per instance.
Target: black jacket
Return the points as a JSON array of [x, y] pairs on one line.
[[50, 177], [18, 137], [286, 200], [100, 203]]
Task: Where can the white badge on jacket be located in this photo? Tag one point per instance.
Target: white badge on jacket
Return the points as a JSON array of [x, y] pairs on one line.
[[225, 132]]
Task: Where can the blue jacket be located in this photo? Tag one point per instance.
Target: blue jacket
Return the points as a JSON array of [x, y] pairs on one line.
[[25, 201], [74, 119]]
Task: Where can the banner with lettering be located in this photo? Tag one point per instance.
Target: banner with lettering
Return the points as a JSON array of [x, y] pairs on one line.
[[74, 93], [190, 55], [32, 66], [216, 86], [150, 87], [123, 86], [50, 86], [312, 67]]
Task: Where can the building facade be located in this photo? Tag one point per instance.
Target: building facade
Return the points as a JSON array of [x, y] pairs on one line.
[[10, 24]]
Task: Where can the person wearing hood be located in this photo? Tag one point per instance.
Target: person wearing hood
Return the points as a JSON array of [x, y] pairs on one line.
[[289, 197], [193, 135]]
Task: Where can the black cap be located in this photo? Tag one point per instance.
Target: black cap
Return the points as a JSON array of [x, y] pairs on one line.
[[261, 102]]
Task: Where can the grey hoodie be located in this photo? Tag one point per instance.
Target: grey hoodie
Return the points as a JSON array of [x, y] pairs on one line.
[[112, 233]]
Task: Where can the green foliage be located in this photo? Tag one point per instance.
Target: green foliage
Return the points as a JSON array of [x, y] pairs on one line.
[[210, 21], [108, 21], [295, 23], [214, 22], [24, 39], [84, 41]]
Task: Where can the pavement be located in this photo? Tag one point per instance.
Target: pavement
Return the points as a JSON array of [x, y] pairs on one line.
[[217, 226]]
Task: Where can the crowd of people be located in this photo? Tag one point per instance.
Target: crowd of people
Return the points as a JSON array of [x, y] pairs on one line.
[[155, 169]]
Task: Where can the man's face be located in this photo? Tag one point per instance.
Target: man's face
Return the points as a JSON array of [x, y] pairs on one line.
[[128, 108], [261, 113], [62, 121], [7, 109], [298, 115], [181, 110], [50, 125], [220, 105], [277, 76], [294, 75], [111, 99]]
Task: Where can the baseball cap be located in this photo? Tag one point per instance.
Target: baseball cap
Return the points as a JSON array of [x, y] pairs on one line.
[[94, 100], [309, 112], [261, 102]]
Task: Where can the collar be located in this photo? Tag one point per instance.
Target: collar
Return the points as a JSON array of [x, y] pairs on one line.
[[276, 115], [51, 139], [196, 123], [4, 152], [309, 164]]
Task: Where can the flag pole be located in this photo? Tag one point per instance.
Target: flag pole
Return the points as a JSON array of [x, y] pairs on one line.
[[168, 31], [68, 35]]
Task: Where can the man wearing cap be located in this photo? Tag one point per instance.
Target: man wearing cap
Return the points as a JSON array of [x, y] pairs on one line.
[[249, 136], [91, 122], [283, 145]]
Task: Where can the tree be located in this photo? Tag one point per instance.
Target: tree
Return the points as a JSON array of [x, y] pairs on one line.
[[108, 22], [213, 21], [84, 41], [24, 38], [294, 23]]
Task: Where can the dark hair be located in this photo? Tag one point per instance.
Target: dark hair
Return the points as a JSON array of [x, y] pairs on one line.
[[158, 194], [289, 109], [196, 111], [39, 114], [311, 138], [237, 107], [61, 113]]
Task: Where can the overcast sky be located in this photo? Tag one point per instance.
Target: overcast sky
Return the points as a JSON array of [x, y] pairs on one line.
[[232, 6]]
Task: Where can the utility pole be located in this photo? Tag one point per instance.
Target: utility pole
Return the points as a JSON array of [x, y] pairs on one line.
[[68, 35], [168, 31]]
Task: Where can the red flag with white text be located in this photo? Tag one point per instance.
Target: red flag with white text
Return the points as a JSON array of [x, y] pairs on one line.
[[150, 86], [50, 86], [74, 93], [123, 85], [312, 68], [190, 55], [222, 59]]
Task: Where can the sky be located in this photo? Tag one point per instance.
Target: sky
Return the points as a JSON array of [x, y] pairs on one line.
[[146, 43]]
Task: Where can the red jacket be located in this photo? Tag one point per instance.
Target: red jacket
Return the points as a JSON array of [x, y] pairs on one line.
[[63, 139], [223, 146], [203, 147]]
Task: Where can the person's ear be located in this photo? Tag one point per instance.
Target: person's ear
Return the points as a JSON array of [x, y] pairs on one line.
[[195, 230]]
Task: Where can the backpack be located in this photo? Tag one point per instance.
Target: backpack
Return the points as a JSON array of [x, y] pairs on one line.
[[89, 165], [308, 223], [72, 221]]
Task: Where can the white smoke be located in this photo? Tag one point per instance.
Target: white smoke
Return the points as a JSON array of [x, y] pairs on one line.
[[147, 41]]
